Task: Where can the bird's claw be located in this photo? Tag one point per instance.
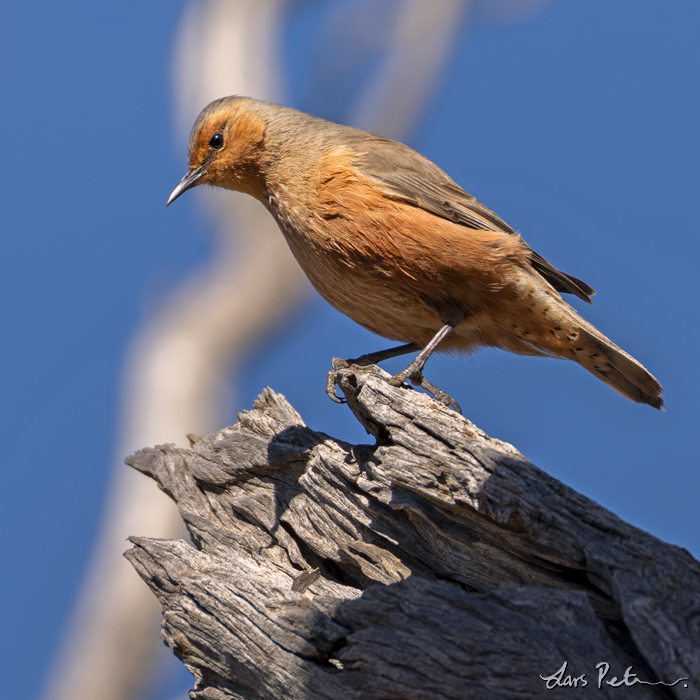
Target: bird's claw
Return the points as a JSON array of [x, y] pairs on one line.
[[337, 363], [331, 377], [417, 379]]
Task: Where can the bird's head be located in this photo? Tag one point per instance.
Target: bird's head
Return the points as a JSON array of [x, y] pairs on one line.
[[226, 144]]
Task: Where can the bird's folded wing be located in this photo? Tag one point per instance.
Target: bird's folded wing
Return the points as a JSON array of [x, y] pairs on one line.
[[406, 176]]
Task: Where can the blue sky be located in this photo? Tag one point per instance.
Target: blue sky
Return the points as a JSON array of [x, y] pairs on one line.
[[578, 127]]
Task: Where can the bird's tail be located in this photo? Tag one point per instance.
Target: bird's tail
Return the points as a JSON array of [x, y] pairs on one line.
[[546, 325], [601, 357]]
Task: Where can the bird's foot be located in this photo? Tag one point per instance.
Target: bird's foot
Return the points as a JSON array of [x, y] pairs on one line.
[[371, 358], [331, 377], [417, 379], [415, 375]]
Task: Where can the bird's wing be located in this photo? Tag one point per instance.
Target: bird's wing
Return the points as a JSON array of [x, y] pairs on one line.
[[406, 176]]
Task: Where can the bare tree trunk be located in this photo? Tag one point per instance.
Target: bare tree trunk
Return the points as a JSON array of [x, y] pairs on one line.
[[438, 563]]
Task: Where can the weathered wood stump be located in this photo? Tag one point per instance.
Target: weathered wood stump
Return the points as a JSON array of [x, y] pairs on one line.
[[438, 563]]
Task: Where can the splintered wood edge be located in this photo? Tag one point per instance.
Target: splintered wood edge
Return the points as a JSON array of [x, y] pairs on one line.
[[428, 461]]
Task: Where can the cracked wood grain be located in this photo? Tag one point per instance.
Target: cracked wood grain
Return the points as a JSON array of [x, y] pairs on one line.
[[437, 563]]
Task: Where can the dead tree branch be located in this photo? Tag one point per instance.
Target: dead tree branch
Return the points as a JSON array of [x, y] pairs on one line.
[[438, 563]]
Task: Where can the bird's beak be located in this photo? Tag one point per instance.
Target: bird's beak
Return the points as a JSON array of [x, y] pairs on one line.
[[190, 180]]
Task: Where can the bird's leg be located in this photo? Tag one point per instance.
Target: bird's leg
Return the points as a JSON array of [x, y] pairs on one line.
[[414, 371], [371, 358], [416, 367]]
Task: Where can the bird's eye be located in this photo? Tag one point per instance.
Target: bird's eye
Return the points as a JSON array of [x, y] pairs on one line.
[[217, 141]]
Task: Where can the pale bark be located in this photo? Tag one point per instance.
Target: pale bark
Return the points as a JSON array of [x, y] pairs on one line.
[[437, 563]]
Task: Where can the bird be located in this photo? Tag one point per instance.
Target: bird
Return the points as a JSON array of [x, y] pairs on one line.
[[390, 240]]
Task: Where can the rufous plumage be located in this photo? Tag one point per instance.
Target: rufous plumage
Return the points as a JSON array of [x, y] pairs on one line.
[[389, 239]]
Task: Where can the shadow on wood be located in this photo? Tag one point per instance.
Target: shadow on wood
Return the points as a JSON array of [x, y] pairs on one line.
[[438, 563]]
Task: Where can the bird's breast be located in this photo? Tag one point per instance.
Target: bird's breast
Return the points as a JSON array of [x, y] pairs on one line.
[[392, 267], [352, 274]]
